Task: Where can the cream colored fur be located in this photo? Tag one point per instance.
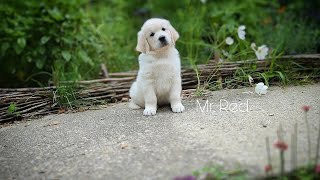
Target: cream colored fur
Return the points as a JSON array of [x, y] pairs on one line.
[[159, 78]]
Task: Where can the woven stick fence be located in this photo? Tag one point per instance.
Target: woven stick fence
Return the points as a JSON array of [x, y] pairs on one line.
[[31, 102]]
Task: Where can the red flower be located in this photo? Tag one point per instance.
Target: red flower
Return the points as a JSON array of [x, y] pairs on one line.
[[281, 145], [317, 169], [306, 108], [267, 168]]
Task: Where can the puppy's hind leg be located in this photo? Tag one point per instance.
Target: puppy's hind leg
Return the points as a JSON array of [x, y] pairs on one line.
[[132, 105], [133, 94]]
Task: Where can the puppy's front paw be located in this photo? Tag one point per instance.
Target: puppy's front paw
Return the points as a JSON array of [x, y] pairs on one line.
[[149, 112], [179, 108]]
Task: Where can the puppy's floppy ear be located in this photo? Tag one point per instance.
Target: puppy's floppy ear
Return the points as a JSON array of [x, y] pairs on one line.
[[142, 44], [174, 34]]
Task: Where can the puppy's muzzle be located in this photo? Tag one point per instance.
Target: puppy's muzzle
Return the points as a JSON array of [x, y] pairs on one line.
[[163, 40]]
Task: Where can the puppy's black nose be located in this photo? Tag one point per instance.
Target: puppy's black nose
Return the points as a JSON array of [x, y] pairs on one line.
[[162, 38]]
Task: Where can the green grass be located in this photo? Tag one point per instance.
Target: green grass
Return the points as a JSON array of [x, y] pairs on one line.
[[302, 173], [291, 36], [13, 109], [65, 96], [118, 35], [74, 49], [218, 172], [215, 172], [203, 29]]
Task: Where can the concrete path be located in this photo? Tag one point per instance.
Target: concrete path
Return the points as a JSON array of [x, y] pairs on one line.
[[118, 143]]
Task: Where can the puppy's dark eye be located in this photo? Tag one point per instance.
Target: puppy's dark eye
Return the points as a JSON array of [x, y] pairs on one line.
[[163, 29], [152, 34]]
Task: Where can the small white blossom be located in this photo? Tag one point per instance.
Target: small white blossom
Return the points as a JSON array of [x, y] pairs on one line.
[[253, 46], [261, 88], [261, 52], [229, 41], [203, 1], [241, 32], [225, 53]]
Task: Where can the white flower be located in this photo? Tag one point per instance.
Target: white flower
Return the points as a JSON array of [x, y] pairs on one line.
[[225, 53], [203, 1], [261, 88], [229, 41], [241, 32], [261, 52]]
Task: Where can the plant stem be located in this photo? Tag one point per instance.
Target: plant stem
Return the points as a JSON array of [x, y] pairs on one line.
[[308, 134], [281, 163], [280, 132], [295, 144], [293, 164], [294, 139], [318, 146], [268, 152]]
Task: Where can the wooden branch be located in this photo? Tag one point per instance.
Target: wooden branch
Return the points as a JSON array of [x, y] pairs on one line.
[[104, 70], [36, 89]]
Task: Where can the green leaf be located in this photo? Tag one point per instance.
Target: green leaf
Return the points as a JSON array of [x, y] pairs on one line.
[[21, 42], [84, 56], [12, 108], [4, 47], [40, 63], [282, 77], [29, 59], [66, 55], [41, 50], [44, 39], [67, 40], [18, 49], [56, 14]]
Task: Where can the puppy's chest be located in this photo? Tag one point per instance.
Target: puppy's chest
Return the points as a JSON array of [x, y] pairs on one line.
[[162, 72]]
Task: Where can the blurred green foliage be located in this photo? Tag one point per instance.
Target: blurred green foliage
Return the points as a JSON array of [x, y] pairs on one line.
[[281, 25], [67, 40], [47, 40]]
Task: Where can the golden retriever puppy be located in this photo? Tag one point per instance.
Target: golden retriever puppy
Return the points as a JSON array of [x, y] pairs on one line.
[[159, 78]]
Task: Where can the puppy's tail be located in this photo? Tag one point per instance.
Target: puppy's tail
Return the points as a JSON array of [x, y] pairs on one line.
[[132, 105]]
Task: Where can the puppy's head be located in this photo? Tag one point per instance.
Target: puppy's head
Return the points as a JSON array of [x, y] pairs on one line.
[[156, 34]]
